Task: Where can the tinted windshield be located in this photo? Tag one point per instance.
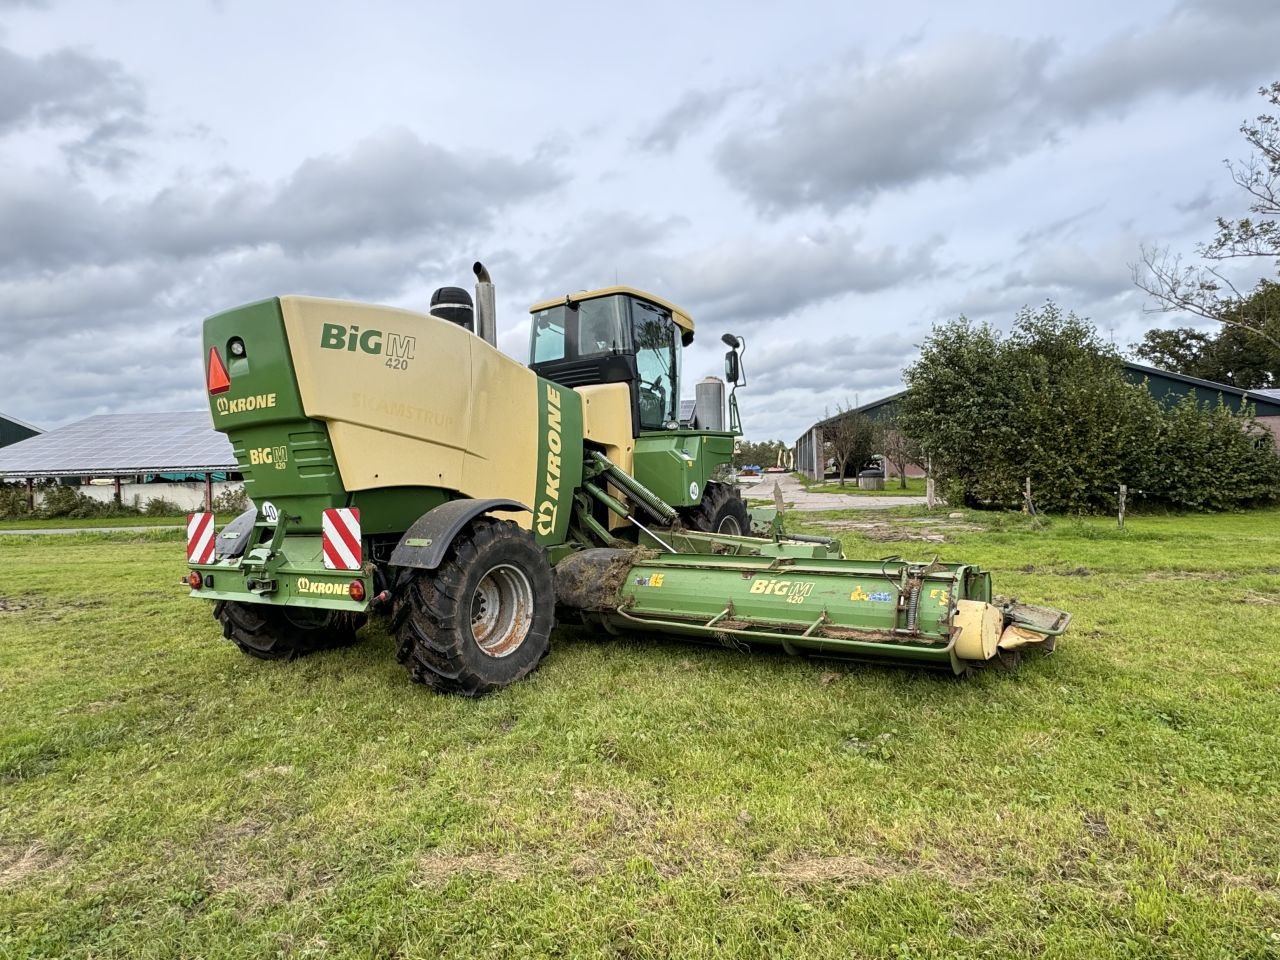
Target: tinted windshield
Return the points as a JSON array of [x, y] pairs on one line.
[[654, 335], [548, 335], [585, 329]]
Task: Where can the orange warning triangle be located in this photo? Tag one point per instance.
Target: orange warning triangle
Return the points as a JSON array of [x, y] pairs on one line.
[[219, 381]]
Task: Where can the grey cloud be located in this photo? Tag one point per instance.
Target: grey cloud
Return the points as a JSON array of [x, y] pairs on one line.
[[101, 295], [1062, 227], [743, 282], [603, 246], [390, 187], [106, 146], [1093, 281], [1198, 204], [839, 367], [750, 282], [694, 109], [1222, 47], [68, 86], [958, 109]]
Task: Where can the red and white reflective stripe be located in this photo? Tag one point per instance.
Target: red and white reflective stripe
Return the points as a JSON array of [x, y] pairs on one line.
[[200, 538], [340, 528]]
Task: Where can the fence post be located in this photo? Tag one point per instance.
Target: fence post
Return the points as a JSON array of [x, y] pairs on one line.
[[1124, 490]]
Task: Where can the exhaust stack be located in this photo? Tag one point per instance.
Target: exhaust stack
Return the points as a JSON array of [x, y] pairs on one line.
[[486, 307]]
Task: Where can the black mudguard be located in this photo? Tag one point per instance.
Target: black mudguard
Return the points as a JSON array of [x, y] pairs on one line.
[[424, 544], [235, 536]]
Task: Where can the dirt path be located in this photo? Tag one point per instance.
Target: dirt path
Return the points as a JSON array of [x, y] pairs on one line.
[[801, 499]]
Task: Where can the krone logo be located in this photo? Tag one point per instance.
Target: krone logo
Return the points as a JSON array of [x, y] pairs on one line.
[[321, 587], [257, 401], [549, 506]]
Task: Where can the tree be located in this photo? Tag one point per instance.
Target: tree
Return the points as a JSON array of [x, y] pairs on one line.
[[1050, 401], [1206, 291], [900, 450], [761, 454], [1235, 354], [851, 438]]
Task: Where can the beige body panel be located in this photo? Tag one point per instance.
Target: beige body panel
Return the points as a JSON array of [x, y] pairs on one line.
[[459, 414], [606, 419], [978, 625]]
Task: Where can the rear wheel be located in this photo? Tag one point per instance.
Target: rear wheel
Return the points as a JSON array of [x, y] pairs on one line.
[[282, 633], [482, 619], [721, 511]]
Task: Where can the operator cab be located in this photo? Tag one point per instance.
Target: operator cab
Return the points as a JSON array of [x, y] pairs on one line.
[[615, 335]]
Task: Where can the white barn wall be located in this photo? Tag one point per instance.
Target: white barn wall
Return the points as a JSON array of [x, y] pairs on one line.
[[188, 496]]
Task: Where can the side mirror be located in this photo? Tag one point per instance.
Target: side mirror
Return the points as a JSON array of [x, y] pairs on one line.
[[731, 366]]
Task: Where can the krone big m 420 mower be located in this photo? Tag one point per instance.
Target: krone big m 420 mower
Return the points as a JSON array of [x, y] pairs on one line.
[[399, 462]]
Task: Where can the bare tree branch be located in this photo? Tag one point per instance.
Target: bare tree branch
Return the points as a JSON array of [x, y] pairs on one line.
[[1207, 292], [1194, 290]]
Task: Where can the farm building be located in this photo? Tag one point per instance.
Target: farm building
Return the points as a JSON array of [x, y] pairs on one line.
[[13, 430], [177, 456]]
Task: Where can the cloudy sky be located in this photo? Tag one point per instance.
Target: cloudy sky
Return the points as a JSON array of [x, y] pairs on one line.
[[827, 179]]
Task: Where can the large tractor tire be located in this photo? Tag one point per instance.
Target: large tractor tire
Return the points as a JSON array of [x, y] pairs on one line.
[[721, 511], [481, 620], [283, 633]]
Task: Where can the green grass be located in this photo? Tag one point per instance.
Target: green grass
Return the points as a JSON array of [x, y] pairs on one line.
[[123, 520], [914, 488], [163, 796]]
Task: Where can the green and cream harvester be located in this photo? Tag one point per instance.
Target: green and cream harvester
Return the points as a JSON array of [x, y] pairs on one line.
[[399, 463]]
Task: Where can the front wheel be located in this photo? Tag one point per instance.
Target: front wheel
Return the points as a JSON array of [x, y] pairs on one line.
[[282, 633], [481, 620], [721, 511]]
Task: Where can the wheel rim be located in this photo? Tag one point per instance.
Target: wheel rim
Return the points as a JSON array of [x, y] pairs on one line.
[[729, 525], [501, 610]]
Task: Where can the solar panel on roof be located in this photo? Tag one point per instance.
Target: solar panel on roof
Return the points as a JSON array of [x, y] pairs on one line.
[[121, 443]]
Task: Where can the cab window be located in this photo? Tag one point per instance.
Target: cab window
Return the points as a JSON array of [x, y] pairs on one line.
[[600, 326], [654, 335], [548, 335]]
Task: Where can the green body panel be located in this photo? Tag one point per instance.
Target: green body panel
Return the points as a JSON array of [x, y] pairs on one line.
[[559, 461], [675, 463], [294, 565], [286, 457], [394, 509], [831, 607]]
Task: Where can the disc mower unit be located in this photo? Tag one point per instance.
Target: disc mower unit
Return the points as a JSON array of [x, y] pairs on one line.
[[398, 462]]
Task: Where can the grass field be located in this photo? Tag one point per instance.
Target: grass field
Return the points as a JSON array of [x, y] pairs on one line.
[[123, 520], [163, 796], [914, 488]]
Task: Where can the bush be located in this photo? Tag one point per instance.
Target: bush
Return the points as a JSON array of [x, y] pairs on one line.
[[63, 501], [231, 500], [160, 507], [1212, 459], [13, 502], [1050, 402]]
